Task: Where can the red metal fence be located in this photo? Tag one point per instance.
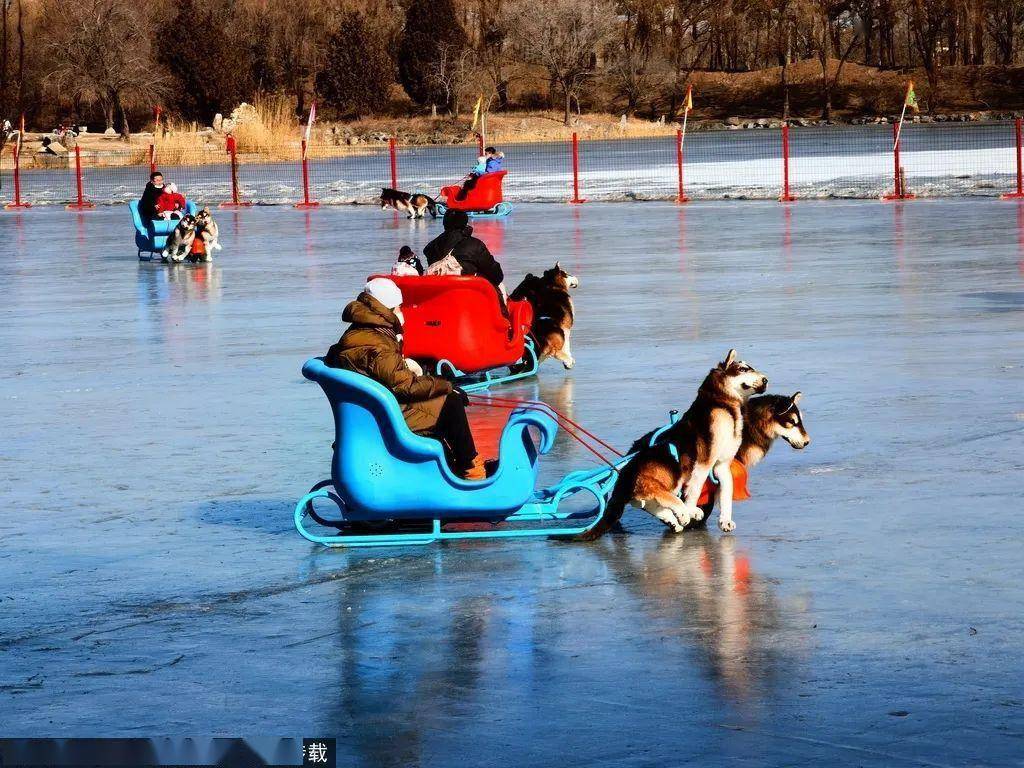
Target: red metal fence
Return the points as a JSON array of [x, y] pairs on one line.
[[769, 163]]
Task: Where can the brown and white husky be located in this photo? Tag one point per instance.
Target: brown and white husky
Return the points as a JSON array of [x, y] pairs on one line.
[[553, 312], [707, 437], [766, 418], [415, 204]]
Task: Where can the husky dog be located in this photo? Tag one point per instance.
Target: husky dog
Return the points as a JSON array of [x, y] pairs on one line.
[[179, 242], [707, 437], [553, 312], [209, 232], [414, 204], [765, 419]]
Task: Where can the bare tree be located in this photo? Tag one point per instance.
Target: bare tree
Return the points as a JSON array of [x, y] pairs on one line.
[[448, 72], [929, 25], [494, 54], [833, 20], [1003, 20], [565, 37], [5, 9], [630, 65], [98, 57]]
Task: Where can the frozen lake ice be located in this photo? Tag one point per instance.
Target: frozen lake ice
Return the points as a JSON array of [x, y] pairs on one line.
[[156, 433]]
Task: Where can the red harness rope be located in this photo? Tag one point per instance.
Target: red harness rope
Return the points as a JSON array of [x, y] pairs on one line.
[[571, 427]]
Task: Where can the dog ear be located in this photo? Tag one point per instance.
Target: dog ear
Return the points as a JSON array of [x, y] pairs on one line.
[[729, 359], [558, 265], [796, 397]]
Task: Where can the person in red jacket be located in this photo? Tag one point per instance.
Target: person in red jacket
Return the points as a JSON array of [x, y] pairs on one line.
[[170, 204]]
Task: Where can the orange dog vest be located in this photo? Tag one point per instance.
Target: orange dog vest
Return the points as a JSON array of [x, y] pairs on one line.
[[739, 485]]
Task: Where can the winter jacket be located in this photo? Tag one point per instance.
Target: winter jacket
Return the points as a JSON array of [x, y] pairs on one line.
[[495, 162], [470, 252], [169, 202], [479, 169], [147, 205], [371, 346]]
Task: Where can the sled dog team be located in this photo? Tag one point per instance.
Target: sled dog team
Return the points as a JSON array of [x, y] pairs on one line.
[[195, 238], [730, 421]]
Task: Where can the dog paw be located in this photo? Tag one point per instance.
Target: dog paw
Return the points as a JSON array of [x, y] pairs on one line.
[[672, 520], [698, 515], [569, 363], [726, 525]]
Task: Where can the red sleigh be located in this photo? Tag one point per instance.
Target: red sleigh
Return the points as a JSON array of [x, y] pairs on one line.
[[455, 325], [484, 199]]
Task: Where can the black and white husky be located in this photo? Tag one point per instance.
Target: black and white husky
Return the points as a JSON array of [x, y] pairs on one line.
[[179, 242], [207, 229], [414, 204]]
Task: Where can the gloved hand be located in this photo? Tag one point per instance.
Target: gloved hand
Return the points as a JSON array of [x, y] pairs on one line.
[[461, 394]]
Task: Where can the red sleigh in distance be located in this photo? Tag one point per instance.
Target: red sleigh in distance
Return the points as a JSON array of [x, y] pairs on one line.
[[454, 325], [484, 199]]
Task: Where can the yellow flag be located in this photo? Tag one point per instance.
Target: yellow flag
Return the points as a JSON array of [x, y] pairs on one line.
[[688, 104], [911, 98], [476, 112]]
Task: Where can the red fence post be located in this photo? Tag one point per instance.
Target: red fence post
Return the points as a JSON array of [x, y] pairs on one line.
[[236, 193], [479, 145], [899, 182], [306, 201], [681, 195], [82, 204], [576, 170], [394, 162], [17, 180], [786, 197], [1020, 171]]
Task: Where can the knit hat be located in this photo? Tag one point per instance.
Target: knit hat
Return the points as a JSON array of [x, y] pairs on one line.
[[172, 188], [455, 219], [405, 252], [385, 291]]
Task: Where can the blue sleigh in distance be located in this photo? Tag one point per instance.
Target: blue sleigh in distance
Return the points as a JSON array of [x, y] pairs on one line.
[[388, 479], [151, 236]]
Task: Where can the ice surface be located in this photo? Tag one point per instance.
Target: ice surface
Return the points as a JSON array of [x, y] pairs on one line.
[[156, 433]]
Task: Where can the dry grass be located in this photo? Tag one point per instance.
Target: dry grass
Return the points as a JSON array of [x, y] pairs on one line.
[[273, 132]]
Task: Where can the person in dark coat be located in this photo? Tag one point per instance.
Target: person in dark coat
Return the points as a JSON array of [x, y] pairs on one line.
[[470, 252], [372, 346], [147, 205]]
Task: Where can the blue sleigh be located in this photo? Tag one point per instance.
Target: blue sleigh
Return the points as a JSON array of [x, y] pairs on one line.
[[151, 236], [393, 486]]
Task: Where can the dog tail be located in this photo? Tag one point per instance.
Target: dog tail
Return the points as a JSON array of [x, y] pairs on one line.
[[613, 511]]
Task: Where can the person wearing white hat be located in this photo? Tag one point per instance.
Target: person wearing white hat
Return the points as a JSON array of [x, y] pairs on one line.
[[372, 346]]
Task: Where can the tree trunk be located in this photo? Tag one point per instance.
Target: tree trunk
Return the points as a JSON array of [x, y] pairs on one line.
[[21, 58], [4, 8], [108, 113], [567, 93], [126, 131], [826, 82], [785, 71]]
